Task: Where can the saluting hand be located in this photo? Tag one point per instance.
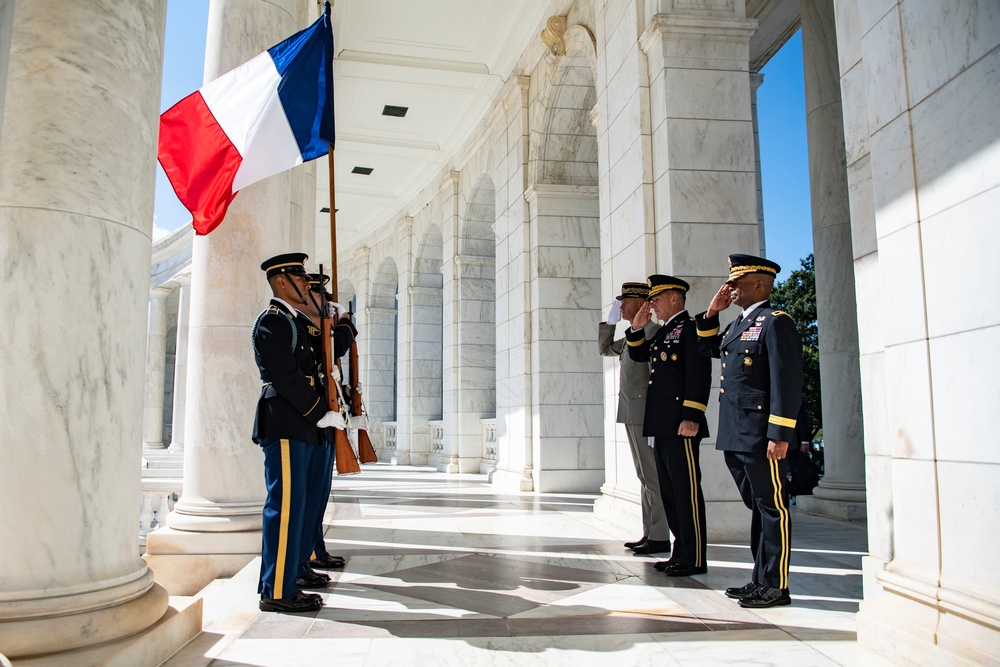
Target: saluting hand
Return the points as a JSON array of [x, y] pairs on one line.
[[776, 449], [641, 318], [720, 301]]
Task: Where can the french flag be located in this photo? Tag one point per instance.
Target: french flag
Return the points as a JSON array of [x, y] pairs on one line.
[[270, 114]]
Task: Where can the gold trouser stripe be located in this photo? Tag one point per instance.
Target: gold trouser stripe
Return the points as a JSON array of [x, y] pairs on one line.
[[781, 421], [783, 523], [636, 343], [695, 405], [286, 505], [693, 482], [708, 333]]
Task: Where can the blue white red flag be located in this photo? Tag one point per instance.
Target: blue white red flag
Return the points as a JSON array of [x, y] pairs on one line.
[[270, 114]]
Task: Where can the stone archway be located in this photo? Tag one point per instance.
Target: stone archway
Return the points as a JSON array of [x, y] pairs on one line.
[[381, 371]]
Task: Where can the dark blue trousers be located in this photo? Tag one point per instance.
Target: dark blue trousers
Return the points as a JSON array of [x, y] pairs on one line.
[[286, 467], [764, 490], [679, 469], [317, 497]]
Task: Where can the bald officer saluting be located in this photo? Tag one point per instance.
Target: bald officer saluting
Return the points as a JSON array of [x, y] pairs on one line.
[[759, 399]]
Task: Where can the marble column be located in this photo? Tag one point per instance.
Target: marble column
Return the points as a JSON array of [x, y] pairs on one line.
[[756, 81], [181, 362], [156, 363], [214, 529], [77, 170], [841, 493]]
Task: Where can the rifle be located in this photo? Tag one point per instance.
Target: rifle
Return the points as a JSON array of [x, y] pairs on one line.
[[344, 454], [365, 450]]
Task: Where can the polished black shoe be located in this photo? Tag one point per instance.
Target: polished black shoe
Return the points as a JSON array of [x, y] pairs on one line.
[[653, 547], [663, 564], [313, 580], [765, 597], [327, 562], [737, 592], [296, 603], [684, 570], [637, 543]]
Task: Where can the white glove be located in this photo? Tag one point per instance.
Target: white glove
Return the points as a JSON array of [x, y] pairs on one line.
[[332, 418], [336, 310], [615, 314], [358, 388], [650, 440], [335, 375]]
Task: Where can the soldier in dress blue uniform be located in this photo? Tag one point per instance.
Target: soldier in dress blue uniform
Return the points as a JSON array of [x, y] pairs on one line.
[[680, 379], [759, 398], [321, 472], [290, 412]]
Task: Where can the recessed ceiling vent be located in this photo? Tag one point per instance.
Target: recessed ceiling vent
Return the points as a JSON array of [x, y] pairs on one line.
[[364, 171], [398, 112]]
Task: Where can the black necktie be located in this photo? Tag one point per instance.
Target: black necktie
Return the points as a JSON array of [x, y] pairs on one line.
[[739, 319]]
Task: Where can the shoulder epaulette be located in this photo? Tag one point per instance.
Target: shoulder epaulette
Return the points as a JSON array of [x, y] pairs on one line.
[[779, 312], [274, 310]]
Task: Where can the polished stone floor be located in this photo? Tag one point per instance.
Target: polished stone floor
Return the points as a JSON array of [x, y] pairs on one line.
[[445, 570]]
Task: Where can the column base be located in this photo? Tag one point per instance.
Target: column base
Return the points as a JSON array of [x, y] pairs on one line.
[[456, 464], [185, 562], [513, 480], [57, 633], [153, 646], [726, 520], [846, 502]]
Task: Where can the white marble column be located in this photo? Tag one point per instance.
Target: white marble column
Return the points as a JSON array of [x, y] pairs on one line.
[[181, 363], [156, 364], [841, 493], [756, 81], [215, 527], [77, 170]]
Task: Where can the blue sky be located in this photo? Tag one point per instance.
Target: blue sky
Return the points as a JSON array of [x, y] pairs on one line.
[[780, 107]]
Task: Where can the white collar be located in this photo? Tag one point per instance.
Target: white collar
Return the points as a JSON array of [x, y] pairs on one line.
[[750, 309], [291, 311], [675, 316]]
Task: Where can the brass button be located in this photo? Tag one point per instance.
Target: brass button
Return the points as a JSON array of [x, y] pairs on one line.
[[727, 354], [722, 391], [760, 407], [650, 382], [722, 377], [723, 364], [652, 370]]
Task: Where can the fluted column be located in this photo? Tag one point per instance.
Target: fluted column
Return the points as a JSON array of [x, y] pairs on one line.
[[214, 528], [180, 363], [156, 363], [77, 176], [841, 493]]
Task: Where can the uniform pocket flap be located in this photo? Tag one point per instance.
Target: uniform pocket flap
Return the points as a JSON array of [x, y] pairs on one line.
[[752, 400]]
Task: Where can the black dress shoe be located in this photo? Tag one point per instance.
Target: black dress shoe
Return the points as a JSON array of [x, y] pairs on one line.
[[327, 562], [293, 603], [637, 543], [765, 597], [313, 580], [653, 547], [684, 570], [737, 592]]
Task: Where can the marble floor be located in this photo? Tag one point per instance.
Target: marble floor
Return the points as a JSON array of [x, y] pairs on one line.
[[446, 570]]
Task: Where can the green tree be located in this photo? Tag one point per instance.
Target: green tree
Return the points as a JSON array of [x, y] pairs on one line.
[[797, 296]]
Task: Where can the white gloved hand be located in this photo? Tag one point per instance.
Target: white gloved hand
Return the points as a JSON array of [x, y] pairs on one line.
[[615, 314], [332, 418], [358, 388], [335, 375], [337, 309]]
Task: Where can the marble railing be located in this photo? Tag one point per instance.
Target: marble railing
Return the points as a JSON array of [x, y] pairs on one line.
[[158, 496], [437, 436], [388, 439], [489, 439]]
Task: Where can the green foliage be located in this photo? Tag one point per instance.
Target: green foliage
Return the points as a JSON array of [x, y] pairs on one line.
[[797, 296]]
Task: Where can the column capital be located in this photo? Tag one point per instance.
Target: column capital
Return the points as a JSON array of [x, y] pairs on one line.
[[159, 292], [676, 41]]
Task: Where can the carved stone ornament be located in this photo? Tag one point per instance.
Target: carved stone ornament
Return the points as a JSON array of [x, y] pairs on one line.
[[552, 36]]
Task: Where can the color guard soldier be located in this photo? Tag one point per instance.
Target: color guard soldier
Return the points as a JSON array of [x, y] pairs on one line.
[[759, 398], [290, 412], [321, 472], [657, 516], [680, 380]]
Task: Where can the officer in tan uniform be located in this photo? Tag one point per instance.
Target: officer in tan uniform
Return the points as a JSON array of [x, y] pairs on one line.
[[657, 520]]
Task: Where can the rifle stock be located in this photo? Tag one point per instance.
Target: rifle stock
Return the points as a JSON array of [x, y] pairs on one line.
[[346, 459], [365, 450]]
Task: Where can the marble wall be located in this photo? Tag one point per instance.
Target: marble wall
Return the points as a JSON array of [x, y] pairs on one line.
[[922, 148]]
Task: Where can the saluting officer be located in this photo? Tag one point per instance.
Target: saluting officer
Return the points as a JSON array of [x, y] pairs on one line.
[[759, 398], [658, 517], [290, 412], [680, 380]]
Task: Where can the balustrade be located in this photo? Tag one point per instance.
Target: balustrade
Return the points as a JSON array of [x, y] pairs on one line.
[[489, 441], [388, 440], [437, 436]]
